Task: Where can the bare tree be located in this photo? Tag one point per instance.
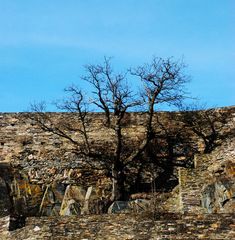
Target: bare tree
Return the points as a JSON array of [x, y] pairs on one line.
[[207, 124], [163, 82]]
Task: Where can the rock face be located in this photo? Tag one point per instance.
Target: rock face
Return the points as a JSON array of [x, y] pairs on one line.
[[22, 195], [219, 196]]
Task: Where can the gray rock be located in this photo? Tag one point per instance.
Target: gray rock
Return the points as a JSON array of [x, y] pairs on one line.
[[139, 205], [136, 205], [119, 206], [219, 196], [70, 207]]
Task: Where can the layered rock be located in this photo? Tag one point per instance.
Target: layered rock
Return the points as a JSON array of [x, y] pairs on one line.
[[219, 195], [128, 226]]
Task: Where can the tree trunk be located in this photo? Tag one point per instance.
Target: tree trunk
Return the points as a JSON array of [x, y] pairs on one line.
[[118, 179]]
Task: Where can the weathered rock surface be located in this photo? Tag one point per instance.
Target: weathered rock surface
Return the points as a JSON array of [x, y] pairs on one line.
[[137, 205], [209, 187], [22, 195], [43, 178], [127, 226], [219, 196]]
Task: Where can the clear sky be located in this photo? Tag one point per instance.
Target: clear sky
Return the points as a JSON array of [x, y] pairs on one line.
[[45, 43]]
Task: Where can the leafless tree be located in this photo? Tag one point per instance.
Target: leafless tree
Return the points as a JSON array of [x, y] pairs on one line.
[[163, 82], [207, 124]]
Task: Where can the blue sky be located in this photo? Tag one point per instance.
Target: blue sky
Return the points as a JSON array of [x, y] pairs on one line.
[[45, 43]]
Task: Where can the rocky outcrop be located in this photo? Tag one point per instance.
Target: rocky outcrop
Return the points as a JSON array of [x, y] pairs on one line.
[[22, 194], [219, 196]]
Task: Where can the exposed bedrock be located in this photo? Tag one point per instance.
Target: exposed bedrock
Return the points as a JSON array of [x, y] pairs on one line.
[[219, 195]]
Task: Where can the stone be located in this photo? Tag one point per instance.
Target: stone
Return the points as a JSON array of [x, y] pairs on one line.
[[119, 206], [36, 229], [216, 197], [85, 208], [230, 169], [58, 190], [88, 193], [76, 200], [140, 205], [69, 208], [137, 205]]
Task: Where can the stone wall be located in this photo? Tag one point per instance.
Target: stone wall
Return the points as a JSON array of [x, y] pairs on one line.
[[210, 186], [39, 176], [45, 160], [42, 173], [124, 227], [36, 165], [19, 134]]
